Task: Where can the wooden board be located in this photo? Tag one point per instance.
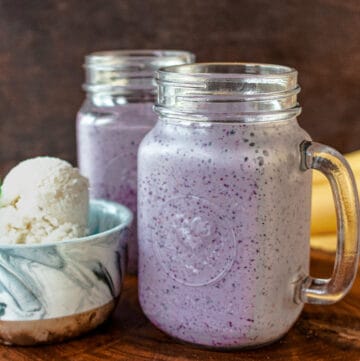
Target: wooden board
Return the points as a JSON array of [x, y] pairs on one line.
[[321, 333]]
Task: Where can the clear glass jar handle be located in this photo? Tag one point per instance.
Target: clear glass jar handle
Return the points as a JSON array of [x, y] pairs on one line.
[[338, 172]]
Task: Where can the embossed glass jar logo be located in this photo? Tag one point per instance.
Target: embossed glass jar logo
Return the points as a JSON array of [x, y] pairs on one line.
[[195, 243]]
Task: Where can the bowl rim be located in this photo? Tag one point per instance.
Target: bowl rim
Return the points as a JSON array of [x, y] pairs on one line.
[[125, 211]]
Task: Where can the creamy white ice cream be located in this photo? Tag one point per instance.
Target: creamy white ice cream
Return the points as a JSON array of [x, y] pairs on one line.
[[42, 200]]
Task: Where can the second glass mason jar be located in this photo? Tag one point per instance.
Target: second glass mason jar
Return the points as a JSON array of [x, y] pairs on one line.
[[114, 118], [224, 195]]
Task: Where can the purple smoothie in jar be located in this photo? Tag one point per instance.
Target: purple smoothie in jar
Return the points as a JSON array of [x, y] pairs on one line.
[[223, 205], [113, 120], [214, 217]]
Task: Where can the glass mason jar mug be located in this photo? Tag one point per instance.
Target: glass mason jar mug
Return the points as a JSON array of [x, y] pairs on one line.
[[115, 116], [224, 196]]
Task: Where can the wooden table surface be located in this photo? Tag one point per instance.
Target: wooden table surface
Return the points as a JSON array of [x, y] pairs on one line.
[[321, 333]]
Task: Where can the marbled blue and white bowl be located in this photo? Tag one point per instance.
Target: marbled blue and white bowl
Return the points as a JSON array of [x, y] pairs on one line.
[[55, 291]]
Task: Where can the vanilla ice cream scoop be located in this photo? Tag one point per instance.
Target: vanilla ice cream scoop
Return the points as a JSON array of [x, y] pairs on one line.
[[42, 200]]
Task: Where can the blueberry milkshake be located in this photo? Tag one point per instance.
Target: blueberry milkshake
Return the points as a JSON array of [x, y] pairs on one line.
[[113, 120], [107, 143], [223, 230], [224, 205]]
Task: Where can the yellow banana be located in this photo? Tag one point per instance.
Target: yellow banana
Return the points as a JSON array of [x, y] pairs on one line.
[[325, 242], [323, 217], [323, 209]]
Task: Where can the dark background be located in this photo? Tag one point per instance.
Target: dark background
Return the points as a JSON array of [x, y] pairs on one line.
[[42, 45]]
